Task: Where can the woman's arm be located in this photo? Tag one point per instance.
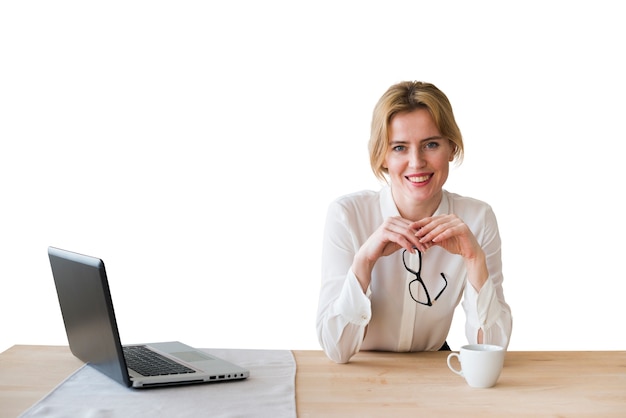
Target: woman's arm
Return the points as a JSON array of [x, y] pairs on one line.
[[349, 253], [343, 308], [489, 316]]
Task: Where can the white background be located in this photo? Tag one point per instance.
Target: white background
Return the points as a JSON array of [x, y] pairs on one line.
[[195, 146]]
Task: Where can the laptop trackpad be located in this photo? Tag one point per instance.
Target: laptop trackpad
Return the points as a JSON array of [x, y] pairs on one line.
[[191, 356]]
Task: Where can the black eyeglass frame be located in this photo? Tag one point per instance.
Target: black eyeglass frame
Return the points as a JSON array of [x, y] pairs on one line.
[[418, 278]]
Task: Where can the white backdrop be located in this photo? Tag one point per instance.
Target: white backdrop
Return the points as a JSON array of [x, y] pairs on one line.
[[195, 146]]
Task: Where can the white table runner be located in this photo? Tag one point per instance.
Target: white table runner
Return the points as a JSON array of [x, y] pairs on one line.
[[268, 392]]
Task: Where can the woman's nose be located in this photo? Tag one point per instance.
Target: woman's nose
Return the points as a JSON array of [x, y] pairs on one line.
[[416, 159]]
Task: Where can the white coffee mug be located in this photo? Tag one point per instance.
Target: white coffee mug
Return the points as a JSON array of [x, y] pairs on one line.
[[481, 364]]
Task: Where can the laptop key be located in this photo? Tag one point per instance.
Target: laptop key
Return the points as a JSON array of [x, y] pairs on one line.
[[150, 363]]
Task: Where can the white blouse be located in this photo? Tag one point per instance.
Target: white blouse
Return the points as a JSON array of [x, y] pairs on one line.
[[387, 318]]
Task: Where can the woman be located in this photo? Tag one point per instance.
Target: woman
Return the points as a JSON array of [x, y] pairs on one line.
[[396, 263]]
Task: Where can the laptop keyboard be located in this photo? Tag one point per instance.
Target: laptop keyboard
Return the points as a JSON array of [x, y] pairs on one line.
[[149, 363]]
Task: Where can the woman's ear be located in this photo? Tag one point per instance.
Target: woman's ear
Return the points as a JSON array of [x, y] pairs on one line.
[[452, 151]]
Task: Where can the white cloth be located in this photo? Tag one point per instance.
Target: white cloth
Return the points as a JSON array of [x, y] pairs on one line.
[[387, 318], [268, 392]]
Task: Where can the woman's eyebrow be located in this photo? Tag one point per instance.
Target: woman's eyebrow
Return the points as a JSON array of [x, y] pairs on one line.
[[431, 138], [403, 141]]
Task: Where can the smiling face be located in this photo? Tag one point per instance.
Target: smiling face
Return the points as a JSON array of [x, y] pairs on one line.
[[417, 160]]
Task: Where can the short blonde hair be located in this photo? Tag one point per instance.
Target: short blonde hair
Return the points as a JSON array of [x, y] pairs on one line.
[[408, 96]]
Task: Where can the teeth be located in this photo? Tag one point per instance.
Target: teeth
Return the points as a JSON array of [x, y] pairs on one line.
[[418, 179]]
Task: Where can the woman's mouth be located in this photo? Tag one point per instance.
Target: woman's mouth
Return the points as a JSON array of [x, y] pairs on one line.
[[419, 179]]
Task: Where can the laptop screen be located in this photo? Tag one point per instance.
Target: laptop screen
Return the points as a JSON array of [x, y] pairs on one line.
[[87, 310]]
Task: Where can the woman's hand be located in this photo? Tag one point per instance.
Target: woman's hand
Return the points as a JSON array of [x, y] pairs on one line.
[[448, 232], [395, 233], [452, 234]]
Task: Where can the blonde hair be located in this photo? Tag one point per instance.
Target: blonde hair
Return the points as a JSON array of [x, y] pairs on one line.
[[408, 96]]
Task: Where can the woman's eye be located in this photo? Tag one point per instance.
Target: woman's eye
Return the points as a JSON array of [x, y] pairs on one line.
[[432, 145], [399, 148]]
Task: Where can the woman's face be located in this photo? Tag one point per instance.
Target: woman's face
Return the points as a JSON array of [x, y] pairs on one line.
[[418, 161]]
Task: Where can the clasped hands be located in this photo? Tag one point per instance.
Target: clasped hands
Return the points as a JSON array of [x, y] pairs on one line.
[[446, 231]]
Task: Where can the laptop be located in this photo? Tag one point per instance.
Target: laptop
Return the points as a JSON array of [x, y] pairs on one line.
[[87, 309]]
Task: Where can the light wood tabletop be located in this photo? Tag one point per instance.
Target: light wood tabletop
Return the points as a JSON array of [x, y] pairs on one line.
[[29, 372], [532, 384], [388, 384]]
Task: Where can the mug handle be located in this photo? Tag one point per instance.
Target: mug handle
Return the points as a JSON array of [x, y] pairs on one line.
[[459, 372]]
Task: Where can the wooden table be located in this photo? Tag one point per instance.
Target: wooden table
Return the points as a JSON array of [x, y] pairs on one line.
[[420, 384], [389, 384]]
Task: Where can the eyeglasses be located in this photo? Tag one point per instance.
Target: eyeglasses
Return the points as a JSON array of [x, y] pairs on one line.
[[418, 278]]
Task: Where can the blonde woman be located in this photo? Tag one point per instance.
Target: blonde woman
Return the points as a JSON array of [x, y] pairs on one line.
[[396, 262]]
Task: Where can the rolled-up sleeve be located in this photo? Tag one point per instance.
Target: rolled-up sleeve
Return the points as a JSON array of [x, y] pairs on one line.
[[487, 309], [487, 312], [341, 327], [344, 310]]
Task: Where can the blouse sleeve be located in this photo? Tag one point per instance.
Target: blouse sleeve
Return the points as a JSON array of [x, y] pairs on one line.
[[343, 310], [487, 309]]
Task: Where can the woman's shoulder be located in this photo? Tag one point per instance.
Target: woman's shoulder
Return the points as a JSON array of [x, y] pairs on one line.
[[476, 213], [358, 197], [361, 202], [359, 212], [459, 202]]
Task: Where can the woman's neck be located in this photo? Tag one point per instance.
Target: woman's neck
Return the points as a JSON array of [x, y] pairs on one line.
[[415, 211]]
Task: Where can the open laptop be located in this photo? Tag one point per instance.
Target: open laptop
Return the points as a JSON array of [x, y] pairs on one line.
[[87, 310]]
